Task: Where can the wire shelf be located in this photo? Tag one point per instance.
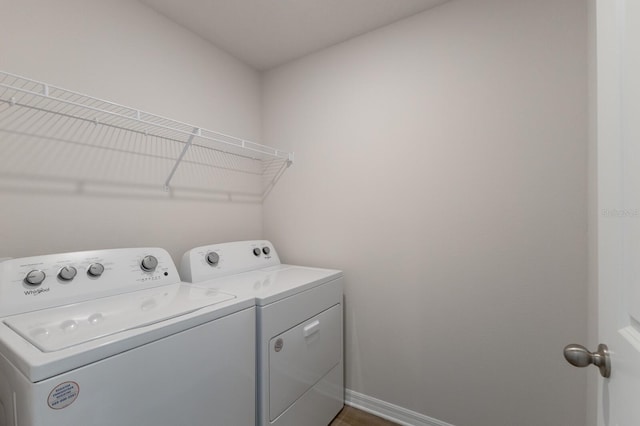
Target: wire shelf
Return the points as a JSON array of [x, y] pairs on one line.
[[49, 132]]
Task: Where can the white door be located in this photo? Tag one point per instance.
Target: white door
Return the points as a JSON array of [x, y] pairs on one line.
[[618, 156]]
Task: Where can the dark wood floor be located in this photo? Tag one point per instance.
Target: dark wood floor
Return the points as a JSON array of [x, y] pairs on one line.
[[350, 416]]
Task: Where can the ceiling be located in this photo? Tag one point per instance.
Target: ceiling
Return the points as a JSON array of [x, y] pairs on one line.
[[268, 33]]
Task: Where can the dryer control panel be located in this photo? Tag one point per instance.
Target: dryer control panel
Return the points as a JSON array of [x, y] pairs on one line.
[[219, 260], [41, 282]]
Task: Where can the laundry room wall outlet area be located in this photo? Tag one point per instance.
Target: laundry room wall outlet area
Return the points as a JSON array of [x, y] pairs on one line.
[[426, 161]]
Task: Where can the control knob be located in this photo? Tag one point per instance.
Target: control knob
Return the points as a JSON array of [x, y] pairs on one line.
[[95, 269], [148, 263], [266, 250], [213, 258], [256, 251], [35, 277], [67, 273]]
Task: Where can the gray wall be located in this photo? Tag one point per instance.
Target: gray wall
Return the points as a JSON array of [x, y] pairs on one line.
[[442, 163], [122, 51]]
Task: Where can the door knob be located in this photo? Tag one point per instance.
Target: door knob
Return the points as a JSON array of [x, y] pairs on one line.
[[579, 356]]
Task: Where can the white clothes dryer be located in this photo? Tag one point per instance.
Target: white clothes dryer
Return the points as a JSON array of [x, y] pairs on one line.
[[299, 327], [112, 337]]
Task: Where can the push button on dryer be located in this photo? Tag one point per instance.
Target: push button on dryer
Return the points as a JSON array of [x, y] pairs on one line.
[[213, 258]]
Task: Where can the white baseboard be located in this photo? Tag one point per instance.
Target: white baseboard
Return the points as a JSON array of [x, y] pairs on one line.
[[388, 411]]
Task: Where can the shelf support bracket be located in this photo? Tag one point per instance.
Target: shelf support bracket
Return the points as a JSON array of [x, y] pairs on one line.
[[196, 132]]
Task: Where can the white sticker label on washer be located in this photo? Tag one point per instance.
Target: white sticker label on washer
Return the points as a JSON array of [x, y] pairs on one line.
[[63, 395]]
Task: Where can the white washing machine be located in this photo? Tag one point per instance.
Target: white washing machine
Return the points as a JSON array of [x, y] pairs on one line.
[[112, 337], [299, 327]]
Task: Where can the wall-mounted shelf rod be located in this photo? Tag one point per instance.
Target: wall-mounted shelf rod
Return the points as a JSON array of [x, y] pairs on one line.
[[17, 91], [196, 132], [240, 143]]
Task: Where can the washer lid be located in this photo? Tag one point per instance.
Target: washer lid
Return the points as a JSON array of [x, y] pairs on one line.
[[63, 327]]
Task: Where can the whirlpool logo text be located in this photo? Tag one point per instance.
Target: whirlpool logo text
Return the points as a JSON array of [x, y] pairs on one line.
[[36, 291]]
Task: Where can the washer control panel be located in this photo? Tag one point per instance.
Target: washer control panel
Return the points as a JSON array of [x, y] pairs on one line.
[[218, 260], [42, 282]]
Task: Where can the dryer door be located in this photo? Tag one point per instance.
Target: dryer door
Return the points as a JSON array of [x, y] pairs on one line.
[[301, 356]]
